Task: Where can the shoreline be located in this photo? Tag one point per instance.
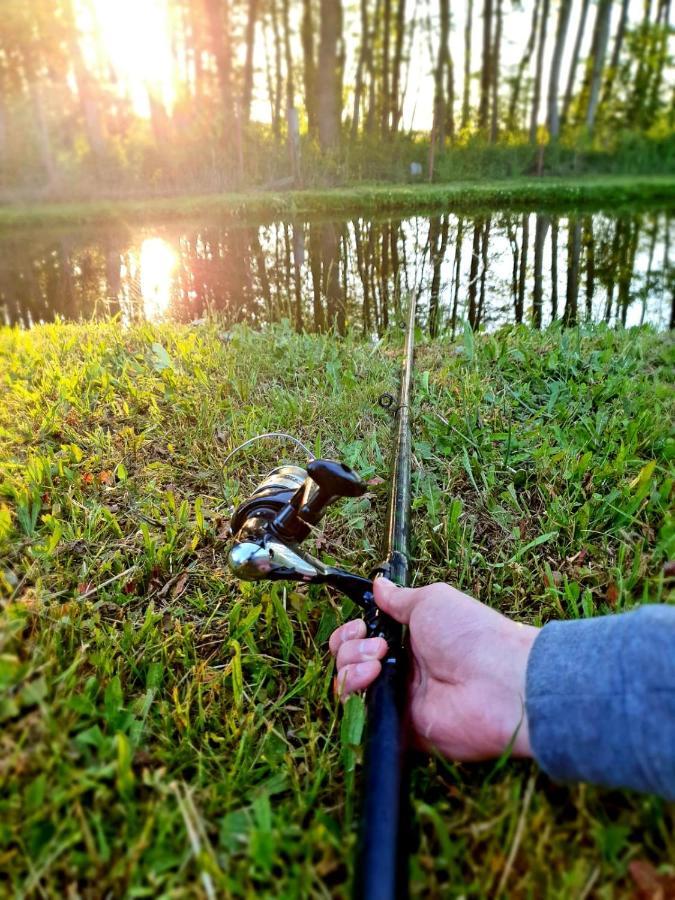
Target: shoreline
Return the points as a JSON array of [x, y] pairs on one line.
[[554, 193]]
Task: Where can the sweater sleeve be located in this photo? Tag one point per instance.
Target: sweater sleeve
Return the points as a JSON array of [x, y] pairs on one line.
[[600, 699]]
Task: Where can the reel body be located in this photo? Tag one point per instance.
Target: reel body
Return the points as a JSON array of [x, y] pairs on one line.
[[269, 526]]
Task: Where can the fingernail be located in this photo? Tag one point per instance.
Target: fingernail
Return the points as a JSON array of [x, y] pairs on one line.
[[386, 581], [370, 647]]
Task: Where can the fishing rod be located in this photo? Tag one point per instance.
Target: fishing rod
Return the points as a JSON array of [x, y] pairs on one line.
[[267, 529]]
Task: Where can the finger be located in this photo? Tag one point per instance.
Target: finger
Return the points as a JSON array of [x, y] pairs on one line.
[[398, 602], [356, 677], [360, 651], [347, 632]]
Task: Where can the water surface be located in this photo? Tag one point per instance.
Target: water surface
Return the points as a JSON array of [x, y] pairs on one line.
[[489, 270]]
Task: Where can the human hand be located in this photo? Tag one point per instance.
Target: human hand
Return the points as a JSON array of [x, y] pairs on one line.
[[467, 687]]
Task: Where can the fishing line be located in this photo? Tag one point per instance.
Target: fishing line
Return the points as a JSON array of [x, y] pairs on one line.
[[270, 435]]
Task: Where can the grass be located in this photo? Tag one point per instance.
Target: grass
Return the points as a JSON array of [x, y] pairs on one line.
[[610, 191], [164, 727]]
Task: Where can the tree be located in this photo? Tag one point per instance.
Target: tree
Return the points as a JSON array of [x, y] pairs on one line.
[[590, 92], [466, 88], [522, 66], [574, 63], [329, 93], [364, 52], [385, 92], [486, 68], [439, 122], [613, 68], [248, 63], [553, 118], [538, 74], [395, 99], [496, 51], [309, 64]]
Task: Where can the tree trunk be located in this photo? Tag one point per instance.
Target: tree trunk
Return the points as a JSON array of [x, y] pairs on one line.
[[438, 127], [661, 58], [278, 70], [616, 53], [329, 85], [370, 68], [309, 65], [395, 112], [494, 123], [466, 87], [553, 118], [363, 56], [486, 68], [642, 40], [385, 95], [574, 63], [248, 62], [522, 66], [538, 73], [596, 61], [218, 16], [290, 82]]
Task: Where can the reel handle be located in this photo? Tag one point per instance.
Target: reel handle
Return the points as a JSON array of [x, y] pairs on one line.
[[327, 481], [333, 480]]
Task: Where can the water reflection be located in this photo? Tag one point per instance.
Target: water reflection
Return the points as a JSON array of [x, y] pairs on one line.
[[504, 267], [157, 265]]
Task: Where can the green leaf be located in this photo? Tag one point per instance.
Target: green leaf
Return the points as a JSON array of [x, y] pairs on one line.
[[125, 775], [351, 730], [237, 674], [542, 539], [161, 359]]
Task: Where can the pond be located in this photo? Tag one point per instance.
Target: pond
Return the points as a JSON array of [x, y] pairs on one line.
[[487, 270]]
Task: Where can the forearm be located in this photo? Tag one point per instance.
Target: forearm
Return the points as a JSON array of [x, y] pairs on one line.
[[600, 699]]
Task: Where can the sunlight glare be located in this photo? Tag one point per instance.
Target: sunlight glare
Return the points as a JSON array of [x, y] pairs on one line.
[[157, 263], [136, 37]]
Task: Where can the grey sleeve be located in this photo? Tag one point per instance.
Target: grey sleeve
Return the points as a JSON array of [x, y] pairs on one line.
[[600, 699]]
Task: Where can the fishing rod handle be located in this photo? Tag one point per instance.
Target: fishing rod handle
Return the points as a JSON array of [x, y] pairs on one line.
[[381, 869]]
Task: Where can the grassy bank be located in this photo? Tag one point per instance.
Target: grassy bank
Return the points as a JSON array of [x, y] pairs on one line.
[[144, 694], [517, 193]]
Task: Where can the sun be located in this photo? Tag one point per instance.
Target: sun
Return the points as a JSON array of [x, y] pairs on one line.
[[134, 37]]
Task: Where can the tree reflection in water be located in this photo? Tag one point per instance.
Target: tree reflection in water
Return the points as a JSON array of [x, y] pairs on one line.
[[489, 270]]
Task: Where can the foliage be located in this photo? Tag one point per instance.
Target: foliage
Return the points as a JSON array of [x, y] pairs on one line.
[[164, 725]]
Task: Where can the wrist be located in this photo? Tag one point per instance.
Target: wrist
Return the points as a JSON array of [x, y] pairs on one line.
[[516, 727]]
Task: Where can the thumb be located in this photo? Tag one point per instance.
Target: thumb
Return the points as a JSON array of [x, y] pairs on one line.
[[397, 602]]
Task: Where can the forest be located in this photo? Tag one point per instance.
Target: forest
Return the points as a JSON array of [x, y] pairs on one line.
[[173, 96]]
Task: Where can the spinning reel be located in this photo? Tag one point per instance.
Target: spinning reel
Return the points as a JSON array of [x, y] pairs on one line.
[[270, 525]]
